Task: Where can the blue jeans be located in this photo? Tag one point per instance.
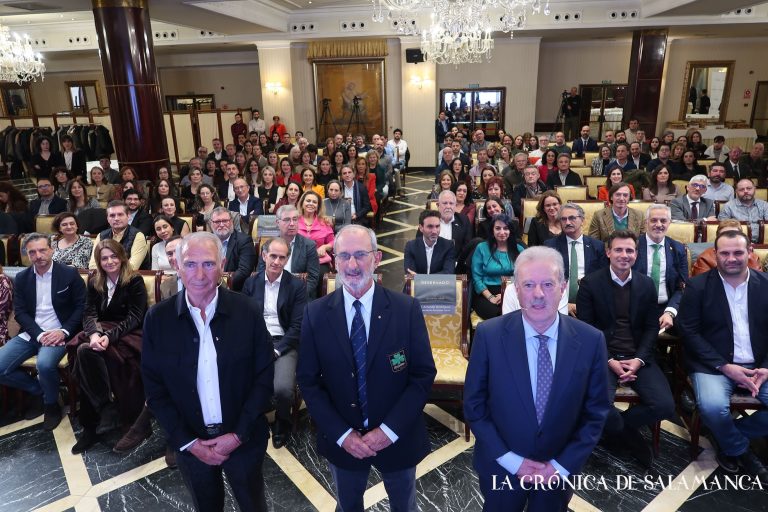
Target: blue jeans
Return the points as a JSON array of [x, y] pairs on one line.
[[713, 397], [18, 350]]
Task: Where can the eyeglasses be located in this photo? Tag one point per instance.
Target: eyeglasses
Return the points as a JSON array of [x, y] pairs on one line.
[[45, 185], [570, 218], [699, 185], [221, 221], [358, 255], [290, 220]]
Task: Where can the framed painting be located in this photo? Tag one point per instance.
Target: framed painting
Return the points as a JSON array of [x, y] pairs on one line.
[[349, 97]]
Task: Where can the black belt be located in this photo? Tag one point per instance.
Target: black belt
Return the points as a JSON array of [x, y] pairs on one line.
[[214, 430]]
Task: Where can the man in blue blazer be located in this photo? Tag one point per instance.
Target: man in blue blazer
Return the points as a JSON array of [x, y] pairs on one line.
[[356, 194], [442, 258], [535, 393], [239, 253], [584, 144], [48, 198], [365, 371], [48, 301], [589, 252], [244, 203], [207, 366], [672, 260]]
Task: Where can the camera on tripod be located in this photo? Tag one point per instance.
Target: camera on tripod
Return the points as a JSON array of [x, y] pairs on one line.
[[326, 101], [565, 94], [356, 100]]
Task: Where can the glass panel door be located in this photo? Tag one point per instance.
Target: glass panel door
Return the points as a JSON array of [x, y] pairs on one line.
[[760, 109]]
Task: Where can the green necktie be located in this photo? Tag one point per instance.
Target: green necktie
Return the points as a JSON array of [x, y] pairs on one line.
[[573, 274], [656, 267]]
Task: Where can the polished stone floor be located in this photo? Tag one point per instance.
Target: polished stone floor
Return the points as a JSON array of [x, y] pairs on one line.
[[38, 472]]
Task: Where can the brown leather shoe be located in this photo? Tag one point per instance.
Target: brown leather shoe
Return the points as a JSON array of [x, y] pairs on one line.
[[139, 431]]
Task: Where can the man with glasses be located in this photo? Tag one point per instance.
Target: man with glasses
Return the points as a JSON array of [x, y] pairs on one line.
[[365, 371], [303, 251], [237, 248], [47, 202], [745, 207], [693, 206], [244, 203]]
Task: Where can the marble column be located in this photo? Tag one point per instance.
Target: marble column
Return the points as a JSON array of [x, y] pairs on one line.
[[133, 88]]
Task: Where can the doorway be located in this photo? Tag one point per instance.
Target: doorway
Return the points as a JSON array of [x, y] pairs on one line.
[[759, 119], [602, 107]]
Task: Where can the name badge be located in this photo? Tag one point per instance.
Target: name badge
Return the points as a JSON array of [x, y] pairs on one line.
[[397, 361]]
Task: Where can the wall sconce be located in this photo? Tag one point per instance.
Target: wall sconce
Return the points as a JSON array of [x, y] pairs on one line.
[[416, 81], [274, 87]]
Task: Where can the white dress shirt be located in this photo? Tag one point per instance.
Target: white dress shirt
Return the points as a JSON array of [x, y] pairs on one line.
[[446, 229], [429, 250], [271, 291], [349, 193], [737, 303], [288, 263], [45, 316], [207, 368], [663, 298]]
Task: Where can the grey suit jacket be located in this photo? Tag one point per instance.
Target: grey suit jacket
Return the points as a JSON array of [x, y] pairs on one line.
[[681, 208]]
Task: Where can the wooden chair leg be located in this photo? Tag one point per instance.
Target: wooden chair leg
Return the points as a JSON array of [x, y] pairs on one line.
[[656, 430], [72, 394], [695, 430], [296, 409]]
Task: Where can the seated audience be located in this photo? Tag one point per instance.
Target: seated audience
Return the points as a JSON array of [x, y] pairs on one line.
[[282, 298], [107, 354], [617, 215], [546, 223], [429, 253], [692, 206], [70, 248], [48, 303]]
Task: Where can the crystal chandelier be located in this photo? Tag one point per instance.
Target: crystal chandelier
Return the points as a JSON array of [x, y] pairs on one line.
[[460, 30], [18, 61]]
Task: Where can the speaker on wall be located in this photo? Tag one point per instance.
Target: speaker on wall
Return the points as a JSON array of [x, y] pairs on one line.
[[413, 55]]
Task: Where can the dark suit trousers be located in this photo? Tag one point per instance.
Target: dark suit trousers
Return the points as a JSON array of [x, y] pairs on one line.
[[350, 488], [656, 401], [503, 499], [243, 470]]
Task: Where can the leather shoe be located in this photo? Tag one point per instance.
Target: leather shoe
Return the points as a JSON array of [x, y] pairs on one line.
[[139, 431], [35, 407], [752, 465], [87, 439], [170, 457], [281, 434], [728, 463], [108, 419], [639, 447], [52, 416]]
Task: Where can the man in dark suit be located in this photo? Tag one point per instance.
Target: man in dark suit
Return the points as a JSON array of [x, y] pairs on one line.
[[239, 254], [732, 167], [692, 206], [226, 189], [281, 298], [637, 157], [581, 254], [442, 126], [245, 204], [48, 302], [137, 216], [365, 371], [453, 226], [428, 253], [724, 326], [754, 163], [303, 255], [358, 198], [622, 304], [533, 414], [207, 369], [564, 175], [664, 260], [47, 203], [584, 144], [218, 151]]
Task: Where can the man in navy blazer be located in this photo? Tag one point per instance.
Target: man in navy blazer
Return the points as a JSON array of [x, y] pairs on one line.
[[671, 281], [207, 366], [584, 144], [47, 196], [281, 298], [535, 393], [590, 252], [366, 402], [244, 203], [622, 304], [240, 256], [442, 254], [48, 301], [453, 225]]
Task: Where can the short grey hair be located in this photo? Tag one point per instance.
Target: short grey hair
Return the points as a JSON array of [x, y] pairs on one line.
[[657, 206], [286, 208], [355, 227], [541, 253], [573, 206], [198, 236], [446, 193], [220, 210], [697, 179], [266, 245], [32, 237]]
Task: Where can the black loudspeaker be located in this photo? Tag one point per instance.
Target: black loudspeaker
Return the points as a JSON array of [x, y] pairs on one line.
[[413, 55]]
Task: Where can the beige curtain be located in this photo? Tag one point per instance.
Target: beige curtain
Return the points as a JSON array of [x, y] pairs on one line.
[[345, 48]]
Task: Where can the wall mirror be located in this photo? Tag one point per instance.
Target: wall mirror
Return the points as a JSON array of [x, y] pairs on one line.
[[16, 100], [706, 87], [84, 96]]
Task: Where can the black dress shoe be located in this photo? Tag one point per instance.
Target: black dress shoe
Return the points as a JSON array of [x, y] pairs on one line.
[[728, 463], [752, 465], [639, 448], [281, 434], [35, 407], [170, 457], [87, 439], [52, 416], [108, 419]]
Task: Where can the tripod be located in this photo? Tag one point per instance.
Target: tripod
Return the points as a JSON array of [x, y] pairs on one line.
[[355, 115], [560, 119], [326, 120]]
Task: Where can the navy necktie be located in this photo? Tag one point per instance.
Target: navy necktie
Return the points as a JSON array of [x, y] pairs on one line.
[[359, 349], [543, 377]]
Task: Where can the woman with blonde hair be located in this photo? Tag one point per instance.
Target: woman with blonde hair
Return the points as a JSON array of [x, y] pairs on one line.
[[315, 225]]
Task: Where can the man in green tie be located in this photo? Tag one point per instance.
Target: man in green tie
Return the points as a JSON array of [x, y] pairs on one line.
[[663, 260], [621, 303]]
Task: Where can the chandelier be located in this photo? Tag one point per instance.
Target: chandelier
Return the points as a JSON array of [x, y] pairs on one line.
[[460, 30], [18, 61]]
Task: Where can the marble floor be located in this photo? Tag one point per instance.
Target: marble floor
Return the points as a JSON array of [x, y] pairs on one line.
[[38, 471]]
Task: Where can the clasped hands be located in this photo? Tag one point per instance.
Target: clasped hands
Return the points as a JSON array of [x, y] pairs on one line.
[[625, 369], [98, 342], [361, 447], [52, 338], [215, 451], [750, 379], [530, 470]]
